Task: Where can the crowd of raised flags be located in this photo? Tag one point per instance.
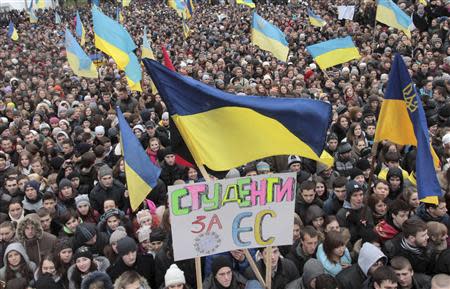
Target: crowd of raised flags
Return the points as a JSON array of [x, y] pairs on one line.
[[113, 39]]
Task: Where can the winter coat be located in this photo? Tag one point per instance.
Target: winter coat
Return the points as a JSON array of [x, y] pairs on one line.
[[443, 262], [144, 265], [354, 277], [422, 260], [99, 194], [297, 256], [21, 250], [36, 248], [352, 221], [286, 273], [239, 267], [426, 217], [102, 265], [96, 276], [238, 282], [301, 206], [332, 205], [169, 174]]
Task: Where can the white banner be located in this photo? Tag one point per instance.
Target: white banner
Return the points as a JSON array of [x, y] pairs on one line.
[[213, 217], [346, 12]]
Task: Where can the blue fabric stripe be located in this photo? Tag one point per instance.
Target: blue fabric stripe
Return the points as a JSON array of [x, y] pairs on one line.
[[73, 46], [269, 30], [186, 96], [134, 155]]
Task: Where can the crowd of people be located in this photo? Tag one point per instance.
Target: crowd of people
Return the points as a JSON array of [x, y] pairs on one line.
[[65, 217]]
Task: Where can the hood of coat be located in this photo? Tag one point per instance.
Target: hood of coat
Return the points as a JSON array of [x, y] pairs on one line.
[[31, 219], [19, 249], [368, 256]]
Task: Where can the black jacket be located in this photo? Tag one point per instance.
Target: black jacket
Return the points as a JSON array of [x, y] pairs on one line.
[[297, 256], [99, 194], [286, 273], [144, 265], [351, 278], [422, 262], [169, 174]]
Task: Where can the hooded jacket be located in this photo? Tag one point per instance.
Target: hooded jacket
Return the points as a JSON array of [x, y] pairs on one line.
[[100, 193], [102, 265], [144, 265], [97, 276], [313, 269], [297, 256], [21, 250], [42, 244], [426, 217], [354, 277], [286, 273]]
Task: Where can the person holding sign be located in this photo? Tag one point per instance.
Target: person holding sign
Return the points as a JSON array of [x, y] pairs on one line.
[[222, 275], [283, 270]]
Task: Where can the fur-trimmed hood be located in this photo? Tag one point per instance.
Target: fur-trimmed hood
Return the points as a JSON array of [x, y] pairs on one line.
[[97, 276], [32, 219]]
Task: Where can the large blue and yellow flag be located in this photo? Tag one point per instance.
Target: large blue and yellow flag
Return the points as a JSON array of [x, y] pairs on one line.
[[179, 6], [115, 41], [33, 17], [224, 131], [315, 20], [12, 31], [333, 52], [190, 7], [80, 63], [269, 37], [141, 174], [248, 3], [402, 120], [390, 14], [79, 30]]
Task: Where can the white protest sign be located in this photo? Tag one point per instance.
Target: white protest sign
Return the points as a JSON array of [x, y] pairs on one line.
[[218, 216]]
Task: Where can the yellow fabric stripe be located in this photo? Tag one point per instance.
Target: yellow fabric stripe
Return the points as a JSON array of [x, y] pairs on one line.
[[278, 50], [218, 143], [394, 123], [119, 56], [75, 65], [387, 16], [336, 57], [137, 188], [316, 22]]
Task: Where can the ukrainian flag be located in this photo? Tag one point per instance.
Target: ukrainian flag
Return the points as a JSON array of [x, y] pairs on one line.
[[40, 4], [119, 16], [186, 29], [179, 6], [114, 40], [402, 120], [79, 30], [248, 3], [147, 52], [333, 52], [190, 7], [57, 18], [12, 31], [315, 20], [126, 3], [141, 174], [80, 63], [224, 131], [33, 17], [269, 37], [390, 14]]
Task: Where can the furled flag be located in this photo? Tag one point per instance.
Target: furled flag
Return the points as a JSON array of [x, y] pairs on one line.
[[248, 3], [40, 4], [79, 30], [186, 29], [119, 16], [57, 18], [315, 20], [12, 31], [147, 52], [141, 174]]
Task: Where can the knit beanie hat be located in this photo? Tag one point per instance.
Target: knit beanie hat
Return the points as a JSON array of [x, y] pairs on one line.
[[125, 246], [34, 184], [142, 216], [363, 164], [220, 262], [174, 276], [352, 187], [117, 235], [82, 200], [105, 171], [262, 166], [83, 251], [233, 173], [64, 183], [100, 130], [292, 159], [157, 235], [111, 212], [62, 244], [354, 172], [144, 234], [84, 232]]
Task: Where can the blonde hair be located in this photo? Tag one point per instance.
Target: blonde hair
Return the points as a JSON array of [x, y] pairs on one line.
[[129, 277]]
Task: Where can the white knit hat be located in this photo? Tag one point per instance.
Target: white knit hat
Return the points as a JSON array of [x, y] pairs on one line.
[[174, 276]]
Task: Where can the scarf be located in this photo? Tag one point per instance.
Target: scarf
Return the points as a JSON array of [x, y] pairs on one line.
[[410, 248]]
